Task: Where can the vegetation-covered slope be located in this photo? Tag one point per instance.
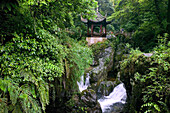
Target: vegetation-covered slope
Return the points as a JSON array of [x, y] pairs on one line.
[[144, 18], [41, 59], [37, 54], [146, 77]]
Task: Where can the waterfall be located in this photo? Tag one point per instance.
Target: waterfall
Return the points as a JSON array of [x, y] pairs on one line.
[[82, 85], [118, 95], [113, 102]]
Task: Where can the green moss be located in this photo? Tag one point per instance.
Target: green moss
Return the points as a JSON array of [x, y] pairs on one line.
[[100, 47], [147, 79]]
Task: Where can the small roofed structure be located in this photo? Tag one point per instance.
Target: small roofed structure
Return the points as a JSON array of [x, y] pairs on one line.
[[98, 22]]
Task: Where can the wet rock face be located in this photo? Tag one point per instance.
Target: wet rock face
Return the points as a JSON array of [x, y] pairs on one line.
[[95, 109], [102, 65], [105, 88], [116, 108], [89, 97], [86, 101]]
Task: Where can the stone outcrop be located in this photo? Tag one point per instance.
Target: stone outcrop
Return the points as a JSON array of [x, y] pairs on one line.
[[99, 86], [105, 63]]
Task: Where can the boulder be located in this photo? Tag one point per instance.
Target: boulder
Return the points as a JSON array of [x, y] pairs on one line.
[[116, 108], [106, 87], [102, 65], [95, 109], [89, 98]]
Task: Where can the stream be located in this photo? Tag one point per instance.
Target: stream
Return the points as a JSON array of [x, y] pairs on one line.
[[114, 102]]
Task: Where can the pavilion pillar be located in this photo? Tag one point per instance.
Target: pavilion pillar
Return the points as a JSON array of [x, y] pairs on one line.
[[101, 30], [105, 26], [92, 30], [105, 31], [87, 30]]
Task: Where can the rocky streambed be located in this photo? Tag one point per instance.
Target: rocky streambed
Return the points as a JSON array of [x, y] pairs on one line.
[[106, 88], [100, 92]]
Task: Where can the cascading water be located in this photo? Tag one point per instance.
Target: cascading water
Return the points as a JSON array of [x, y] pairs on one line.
[[116, 98], [82, 85], [118, 95]]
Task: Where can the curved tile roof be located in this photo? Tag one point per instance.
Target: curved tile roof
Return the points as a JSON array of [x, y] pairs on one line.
[[98, 18]]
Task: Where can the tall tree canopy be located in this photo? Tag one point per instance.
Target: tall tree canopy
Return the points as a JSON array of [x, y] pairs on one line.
[[105, 7], [168, 17], [146, 18]]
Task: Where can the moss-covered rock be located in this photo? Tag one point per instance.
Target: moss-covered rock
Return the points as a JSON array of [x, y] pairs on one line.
[[89, 98], [105, 63], [105, 88], [145, 76]]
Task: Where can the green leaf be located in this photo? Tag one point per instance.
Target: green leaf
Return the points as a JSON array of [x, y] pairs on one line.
[[23, 96], [8, 6], [157, 107]]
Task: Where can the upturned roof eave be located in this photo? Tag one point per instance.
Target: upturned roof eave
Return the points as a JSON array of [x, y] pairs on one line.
[[98, 19], [84, 20]]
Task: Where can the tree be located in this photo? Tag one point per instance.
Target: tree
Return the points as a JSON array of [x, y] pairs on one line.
[[105, 7], [145, 18], [168, 18], [37, 52]]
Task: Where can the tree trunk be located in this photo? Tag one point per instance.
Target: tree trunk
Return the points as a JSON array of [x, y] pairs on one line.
[[168, 18]]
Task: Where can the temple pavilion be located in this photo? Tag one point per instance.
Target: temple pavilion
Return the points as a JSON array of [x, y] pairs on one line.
[[96, 28]]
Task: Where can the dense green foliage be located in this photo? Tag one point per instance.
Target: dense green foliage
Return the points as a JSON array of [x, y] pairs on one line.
[[146, 78], [100, 46], [168, 18], [144, 18], [43, 56], [105, 7], [36, 50], [149, 77]]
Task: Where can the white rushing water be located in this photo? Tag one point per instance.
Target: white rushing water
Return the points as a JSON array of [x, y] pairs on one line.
[[118, 95], [82, 85]]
